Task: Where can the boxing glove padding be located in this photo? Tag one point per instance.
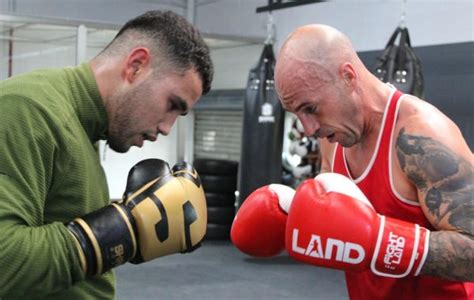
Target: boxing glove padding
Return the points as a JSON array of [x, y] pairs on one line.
[[258, 228], [162, 212], [332, 224]]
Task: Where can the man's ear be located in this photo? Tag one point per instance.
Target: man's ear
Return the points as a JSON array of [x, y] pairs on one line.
[[137, 63], [348, 74]]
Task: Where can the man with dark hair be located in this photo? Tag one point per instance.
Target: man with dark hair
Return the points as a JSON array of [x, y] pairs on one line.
[[171, 53], [59, 237]]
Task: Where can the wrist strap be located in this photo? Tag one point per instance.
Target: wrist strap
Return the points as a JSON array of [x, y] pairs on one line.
[[106, 238], [401, 248]]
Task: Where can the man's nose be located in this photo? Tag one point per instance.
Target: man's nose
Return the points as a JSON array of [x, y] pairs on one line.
[[166, 125], [310, 126]]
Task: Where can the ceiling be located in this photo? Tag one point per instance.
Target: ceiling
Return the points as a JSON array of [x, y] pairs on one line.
[[32, 32]]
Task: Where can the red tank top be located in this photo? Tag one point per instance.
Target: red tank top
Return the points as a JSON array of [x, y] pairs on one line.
[[377, 185]]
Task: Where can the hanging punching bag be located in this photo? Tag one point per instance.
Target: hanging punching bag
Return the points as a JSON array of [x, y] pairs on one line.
[[400, 66], [262, 133]]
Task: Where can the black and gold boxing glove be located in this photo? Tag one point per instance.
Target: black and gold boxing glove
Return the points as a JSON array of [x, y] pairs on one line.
[[162, 212]]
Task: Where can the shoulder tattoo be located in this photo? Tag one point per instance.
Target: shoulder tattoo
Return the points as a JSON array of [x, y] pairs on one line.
[[444, 179]]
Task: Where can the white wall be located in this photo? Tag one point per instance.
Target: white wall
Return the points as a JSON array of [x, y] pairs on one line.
[[232, 65], [227, 18], [102, 11], [232, 18], [369, 23], [29, 55]]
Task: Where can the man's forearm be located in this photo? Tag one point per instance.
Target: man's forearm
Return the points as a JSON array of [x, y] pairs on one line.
[[450, 256]]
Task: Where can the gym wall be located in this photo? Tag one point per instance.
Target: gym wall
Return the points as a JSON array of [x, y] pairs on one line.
[[232, 65], [30, 54], [102, 11], [369, 23], [448, 72]]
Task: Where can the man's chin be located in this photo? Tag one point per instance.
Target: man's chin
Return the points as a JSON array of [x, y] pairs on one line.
[[345, 141], [120, 148]]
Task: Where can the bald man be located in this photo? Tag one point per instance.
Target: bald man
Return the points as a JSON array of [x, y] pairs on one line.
[[408, 158]]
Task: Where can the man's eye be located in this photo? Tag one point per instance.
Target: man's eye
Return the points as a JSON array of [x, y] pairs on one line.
[[310, 109], [173, 106]]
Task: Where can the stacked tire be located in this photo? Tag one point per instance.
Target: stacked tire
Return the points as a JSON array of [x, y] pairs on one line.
[[219, 180]]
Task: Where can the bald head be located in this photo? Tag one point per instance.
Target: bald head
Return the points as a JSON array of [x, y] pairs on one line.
[[312, 55], [316, 43]]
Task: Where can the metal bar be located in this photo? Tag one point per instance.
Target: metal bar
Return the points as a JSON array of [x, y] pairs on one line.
[[272, 5], [14, 28], [56, 21], [81, 44], [202, 3], [190, 11], [10, 55], [247, 39], [185, 145]]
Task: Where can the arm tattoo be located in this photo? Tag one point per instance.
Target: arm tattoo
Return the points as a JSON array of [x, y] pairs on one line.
[[445, 183], [450, 256]]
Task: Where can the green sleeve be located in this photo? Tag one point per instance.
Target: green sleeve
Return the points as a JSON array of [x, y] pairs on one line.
[[35, 258]]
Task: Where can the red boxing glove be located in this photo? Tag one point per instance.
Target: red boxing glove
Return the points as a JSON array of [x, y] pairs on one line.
[[332, 224], [259, 225]]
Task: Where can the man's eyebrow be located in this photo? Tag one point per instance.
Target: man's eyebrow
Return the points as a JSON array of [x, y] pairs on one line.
[[299, 107], [179, 104], [287, 100]]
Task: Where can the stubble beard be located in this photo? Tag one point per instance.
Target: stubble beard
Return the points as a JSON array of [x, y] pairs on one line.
[[120, 127]]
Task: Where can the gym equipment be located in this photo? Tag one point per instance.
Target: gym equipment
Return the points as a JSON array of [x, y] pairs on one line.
[[262, 133], [219, 181], [399, 64]]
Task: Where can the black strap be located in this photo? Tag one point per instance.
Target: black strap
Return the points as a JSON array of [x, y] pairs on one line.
[[407, 37], [391, 42], [394, 36], [402, 53]]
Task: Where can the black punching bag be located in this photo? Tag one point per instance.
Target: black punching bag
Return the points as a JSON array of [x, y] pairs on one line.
[[262, 133]]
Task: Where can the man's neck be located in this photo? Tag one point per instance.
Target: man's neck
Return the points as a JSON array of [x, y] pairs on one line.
[[375, 101]]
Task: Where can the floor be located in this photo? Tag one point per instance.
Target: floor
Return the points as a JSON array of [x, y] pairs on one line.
[[218, 270]]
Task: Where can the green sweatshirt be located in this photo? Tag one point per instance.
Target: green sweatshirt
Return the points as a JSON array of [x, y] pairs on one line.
[[50, 173]]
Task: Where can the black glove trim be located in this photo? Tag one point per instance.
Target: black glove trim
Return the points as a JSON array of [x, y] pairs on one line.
[[95, 244], [86, 246], [107, 238], [129, 226], [82, 257]]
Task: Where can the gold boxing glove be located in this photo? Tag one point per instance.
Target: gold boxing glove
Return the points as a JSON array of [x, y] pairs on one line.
[[162, 212]]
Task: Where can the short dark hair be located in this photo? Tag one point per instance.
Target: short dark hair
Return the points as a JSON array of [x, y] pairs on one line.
[[178, 40]]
